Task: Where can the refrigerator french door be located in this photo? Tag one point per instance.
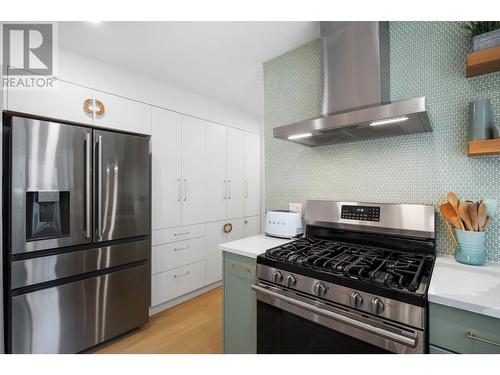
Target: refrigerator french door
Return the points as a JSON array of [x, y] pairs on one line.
[[76, 234]]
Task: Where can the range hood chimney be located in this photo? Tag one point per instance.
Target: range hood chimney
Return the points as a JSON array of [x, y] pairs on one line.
[[356, 97]]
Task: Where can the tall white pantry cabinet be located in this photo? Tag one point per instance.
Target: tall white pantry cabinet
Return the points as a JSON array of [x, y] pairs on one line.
[[206, 190]]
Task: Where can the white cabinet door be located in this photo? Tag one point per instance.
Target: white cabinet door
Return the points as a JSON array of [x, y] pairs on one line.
[[194, 138], [166, 168], [123, 114], [252, 226], [235, 172], [216, 172], [62, 102], [238, 230], [215, 236], [252, 174]]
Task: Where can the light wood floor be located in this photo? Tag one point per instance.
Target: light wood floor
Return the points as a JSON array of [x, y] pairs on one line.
[[193, 327]]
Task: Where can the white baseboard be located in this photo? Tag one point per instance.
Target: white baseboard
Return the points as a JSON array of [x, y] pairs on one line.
[[186, 297]]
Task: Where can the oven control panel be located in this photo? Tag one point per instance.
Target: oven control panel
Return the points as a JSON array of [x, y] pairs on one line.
[[366, 213]]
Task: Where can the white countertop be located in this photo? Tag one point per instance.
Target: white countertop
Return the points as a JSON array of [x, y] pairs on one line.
[[253, 246], [471, 288]]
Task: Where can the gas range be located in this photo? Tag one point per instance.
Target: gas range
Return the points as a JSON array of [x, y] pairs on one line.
[[367, 264]]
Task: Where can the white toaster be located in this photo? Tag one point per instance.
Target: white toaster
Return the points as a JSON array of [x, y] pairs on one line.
[[282, 223]]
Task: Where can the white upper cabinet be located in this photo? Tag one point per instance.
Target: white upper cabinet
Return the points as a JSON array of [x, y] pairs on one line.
[[166, 168], [122, 114], [235, 172], [194, 138], [252, 174], [64, 101], [216, 172]]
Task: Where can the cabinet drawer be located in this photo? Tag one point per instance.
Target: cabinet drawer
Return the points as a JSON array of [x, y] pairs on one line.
[[452, 329], [174, 283], [162, 236], [172, 255]]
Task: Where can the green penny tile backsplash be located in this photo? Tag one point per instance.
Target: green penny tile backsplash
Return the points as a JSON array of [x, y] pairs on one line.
[[427, 59]]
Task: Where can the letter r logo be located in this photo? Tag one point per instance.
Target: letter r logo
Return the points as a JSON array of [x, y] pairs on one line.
[[28, 49]]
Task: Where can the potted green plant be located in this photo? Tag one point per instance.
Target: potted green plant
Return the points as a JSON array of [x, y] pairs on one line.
[[485, 34]]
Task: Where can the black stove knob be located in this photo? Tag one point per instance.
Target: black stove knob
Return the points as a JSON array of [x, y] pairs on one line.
[[377, 306], [291, 280], [356, 300], [319, 289], [277, 276]]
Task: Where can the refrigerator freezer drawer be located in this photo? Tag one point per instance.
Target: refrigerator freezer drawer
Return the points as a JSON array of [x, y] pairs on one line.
[[38, 270], [72, 317]]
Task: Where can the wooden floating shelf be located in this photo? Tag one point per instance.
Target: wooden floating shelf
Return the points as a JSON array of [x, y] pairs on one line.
[[483, 148], [483, 62]]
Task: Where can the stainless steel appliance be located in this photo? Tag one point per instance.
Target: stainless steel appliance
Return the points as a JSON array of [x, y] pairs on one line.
[[356, 99], [76, 219], [356, 283]]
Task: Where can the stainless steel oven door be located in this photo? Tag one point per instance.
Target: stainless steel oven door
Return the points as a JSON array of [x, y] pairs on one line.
[[290, 322]]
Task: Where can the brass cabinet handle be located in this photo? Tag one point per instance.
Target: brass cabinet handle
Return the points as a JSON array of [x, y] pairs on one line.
[[181, 275], [88, 107], [228, 227], [87, 103], [237, 267], [472, 335], [99, 105]]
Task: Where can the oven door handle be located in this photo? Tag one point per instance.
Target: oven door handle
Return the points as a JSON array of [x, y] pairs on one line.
[[341, 318]]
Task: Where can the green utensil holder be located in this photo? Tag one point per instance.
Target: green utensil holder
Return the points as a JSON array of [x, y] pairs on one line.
[[470, 247]]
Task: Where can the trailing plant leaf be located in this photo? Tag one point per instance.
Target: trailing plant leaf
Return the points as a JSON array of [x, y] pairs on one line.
[[481, 27]]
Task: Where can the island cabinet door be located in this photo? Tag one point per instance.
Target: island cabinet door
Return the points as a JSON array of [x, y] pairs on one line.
[[463, 331], [240, 308]]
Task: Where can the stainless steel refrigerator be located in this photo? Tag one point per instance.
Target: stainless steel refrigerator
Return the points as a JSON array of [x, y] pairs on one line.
[[76, 220]]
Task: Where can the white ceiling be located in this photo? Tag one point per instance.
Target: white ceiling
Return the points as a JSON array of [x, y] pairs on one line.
[[219, 60]]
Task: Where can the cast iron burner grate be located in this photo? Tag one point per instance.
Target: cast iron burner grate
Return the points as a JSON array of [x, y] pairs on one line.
[[384, 266]]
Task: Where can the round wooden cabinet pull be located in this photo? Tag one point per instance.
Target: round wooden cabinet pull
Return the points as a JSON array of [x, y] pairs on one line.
[[101, 110], [87, 104], [228, 227]]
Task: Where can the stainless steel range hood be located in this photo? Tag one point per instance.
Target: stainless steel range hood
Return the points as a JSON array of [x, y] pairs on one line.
[[355, 75]]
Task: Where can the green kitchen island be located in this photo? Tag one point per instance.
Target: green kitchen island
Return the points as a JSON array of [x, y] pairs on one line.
[[239, 302]]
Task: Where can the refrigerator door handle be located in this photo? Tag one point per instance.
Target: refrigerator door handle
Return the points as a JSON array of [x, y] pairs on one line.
[[88, 207], [99, 185]]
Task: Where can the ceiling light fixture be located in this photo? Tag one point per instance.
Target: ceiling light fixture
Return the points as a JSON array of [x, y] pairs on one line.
[[389, 121], [301, 135]]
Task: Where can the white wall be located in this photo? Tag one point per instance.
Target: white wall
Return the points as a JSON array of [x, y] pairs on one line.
[[96, 74]]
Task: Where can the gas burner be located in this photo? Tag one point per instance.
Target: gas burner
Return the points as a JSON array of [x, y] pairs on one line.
[[383, 266]]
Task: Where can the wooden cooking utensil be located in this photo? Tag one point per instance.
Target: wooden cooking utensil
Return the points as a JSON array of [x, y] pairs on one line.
[[450, 216], [485, 224], [473, 216], [463, 210], [453, 200], [481, 216]]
